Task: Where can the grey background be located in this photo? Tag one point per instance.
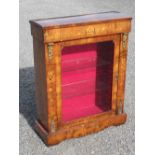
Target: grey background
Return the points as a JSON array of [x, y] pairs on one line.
[[111, 141]]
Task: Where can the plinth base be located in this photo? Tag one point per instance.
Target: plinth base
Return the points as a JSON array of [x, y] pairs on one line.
[[67, 132]]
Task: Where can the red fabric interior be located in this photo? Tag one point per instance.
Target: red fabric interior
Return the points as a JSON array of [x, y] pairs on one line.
[[86, 80]]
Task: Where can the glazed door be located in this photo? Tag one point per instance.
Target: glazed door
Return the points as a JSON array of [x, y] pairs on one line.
[[89, 74]]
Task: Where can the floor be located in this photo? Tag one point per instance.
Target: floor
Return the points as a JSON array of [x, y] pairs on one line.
[[111, 141]]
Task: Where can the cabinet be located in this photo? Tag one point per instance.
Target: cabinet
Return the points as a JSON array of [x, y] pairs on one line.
[[80, 68]]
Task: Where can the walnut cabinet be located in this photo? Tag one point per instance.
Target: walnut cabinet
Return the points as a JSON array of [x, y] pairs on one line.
[[80, 69]]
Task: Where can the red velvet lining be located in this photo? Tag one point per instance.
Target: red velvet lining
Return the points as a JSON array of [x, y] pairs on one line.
[[86, 80]]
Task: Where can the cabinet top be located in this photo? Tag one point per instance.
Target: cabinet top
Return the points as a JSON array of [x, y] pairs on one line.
[[79, 19]]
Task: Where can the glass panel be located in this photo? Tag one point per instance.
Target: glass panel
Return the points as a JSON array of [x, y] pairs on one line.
[[86, 79]]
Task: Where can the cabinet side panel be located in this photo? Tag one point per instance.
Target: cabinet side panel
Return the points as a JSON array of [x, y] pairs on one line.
[[40, 82], [37, 32]]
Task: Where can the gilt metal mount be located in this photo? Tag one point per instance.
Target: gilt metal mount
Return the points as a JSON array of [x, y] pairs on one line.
[[120, 107], [124, 40], [50, 50], [53, 127]]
